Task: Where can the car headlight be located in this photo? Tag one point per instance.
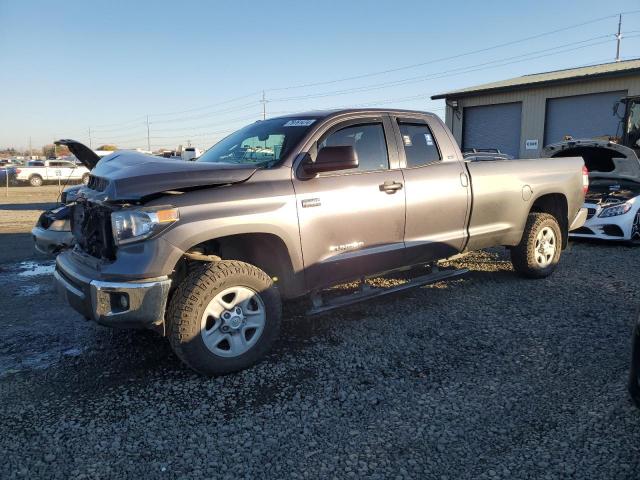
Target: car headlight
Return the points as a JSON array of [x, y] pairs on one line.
[[60, 225], [132, 225], [615, 210]]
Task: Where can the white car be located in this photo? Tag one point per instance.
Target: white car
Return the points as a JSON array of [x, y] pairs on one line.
[[52, 170], [613, 198]]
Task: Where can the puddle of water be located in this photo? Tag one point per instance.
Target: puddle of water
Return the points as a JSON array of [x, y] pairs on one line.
[[33, 269]]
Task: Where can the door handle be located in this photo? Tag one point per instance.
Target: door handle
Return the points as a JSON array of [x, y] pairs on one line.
[[390, 187]]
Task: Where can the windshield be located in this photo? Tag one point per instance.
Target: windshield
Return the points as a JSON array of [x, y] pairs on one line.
[[262, 143]]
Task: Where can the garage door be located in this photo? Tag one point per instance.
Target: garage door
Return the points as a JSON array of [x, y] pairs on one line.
[[581, 116], [493, 126]]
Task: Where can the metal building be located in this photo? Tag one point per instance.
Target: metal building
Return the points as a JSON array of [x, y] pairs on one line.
[[521, 115]]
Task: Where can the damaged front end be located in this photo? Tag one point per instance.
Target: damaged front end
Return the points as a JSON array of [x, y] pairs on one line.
[[91, 228]]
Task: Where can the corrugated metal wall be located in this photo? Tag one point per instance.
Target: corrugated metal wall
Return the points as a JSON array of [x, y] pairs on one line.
[[493, 126], [534, 103], [582, 116]]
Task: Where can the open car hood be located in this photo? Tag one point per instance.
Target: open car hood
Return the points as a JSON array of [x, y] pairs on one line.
[[129, 175], [603, 159], [84, 154]]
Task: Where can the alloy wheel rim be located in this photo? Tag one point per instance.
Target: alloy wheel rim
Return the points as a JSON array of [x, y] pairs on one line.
[[545, 247], [233, 321]]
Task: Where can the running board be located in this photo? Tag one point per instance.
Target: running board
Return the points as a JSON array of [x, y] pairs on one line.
[[368, 292]]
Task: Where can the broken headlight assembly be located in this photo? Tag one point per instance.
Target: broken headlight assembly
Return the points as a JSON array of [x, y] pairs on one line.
[[133, 225], [615, 210]]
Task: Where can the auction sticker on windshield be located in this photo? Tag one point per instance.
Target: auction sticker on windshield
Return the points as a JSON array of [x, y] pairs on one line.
[[299, 123]]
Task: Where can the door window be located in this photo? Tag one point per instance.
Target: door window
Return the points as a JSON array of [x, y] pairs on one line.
[[369, 142], [419, 144]]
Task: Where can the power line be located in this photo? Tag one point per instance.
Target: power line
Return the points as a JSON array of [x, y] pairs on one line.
[[455, 71], [460, 55]]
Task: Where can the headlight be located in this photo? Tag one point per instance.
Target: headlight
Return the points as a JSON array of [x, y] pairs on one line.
[[60, 225], [132, 225], [615, 210]]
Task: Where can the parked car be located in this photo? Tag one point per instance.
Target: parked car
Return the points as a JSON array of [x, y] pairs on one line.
[[203, 252], [634, 371], [7, 175], [613, 199], [36, 173], [190, 153]]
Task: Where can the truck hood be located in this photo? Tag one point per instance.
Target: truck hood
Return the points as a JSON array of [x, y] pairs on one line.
[[603, 159], [84, 154], [127, 175]]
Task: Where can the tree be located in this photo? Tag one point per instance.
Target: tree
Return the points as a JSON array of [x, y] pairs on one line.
[[110, 148], [52, 151]]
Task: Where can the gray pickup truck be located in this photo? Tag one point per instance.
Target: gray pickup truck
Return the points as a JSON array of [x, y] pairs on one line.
[[204, 251]]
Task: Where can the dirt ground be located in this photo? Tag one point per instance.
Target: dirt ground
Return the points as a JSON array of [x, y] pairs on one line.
[[19, 211]]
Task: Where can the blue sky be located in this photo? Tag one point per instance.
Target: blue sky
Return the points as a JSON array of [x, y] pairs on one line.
[[73, 65]]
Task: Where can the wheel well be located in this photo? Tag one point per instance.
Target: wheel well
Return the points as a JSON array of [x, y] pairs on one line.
[[264, 250], [35, 175], [554, 204]]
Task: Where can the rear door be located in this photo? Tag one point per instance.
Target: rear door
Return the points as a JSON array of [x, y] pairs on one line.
[[352, 222], [436, 189]]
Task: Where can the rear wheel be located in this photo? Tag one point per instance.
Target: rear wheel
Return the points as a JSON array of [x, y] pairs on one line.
[[224, 317], [538, 253], [35, 180]]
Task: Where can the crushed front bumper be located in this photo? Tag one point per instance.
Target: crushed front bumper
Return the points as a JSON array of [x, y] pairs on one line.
[[51, 241], [130, 304]]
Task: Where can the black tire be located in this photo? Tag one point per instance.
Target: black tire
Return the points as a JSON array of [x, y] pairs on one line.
[[187, 309], [35, 180], [526, 256], [85, 179]]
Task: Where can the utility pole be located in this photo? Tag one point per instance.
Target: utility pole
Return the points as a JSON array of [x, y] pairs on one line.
[[148, 140], [264, 106], [30, 149], [90, 144], [618, 38]]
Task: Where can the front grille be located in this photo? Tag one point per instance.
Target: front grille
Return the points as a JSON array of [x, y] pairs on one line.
[[98, 184], [91, 227], [590, 212]]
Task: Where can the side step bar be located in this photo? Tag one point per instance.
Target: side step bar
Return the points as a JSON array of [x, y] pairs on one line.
[[367, 292]]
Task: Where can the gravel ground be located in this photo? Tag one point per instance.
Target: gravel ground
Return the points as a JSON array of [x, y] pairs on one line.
[[487, 376]]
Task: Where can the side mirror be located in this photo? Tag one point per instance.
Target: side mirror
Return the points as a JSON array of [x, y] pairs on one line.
[[331, 159]]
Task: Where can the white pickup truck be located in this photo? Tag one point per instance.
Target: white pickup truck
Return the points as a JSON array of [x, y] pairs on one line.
[[36, 173]]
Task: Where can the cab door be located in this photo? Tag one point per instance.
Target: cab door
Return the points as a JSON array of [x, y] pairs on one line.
[[436, 188], [352, 222]]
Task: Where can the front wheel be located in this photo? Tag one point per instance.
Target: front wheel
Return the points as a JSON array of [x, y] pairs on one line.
[[538, 253], [224, 317]]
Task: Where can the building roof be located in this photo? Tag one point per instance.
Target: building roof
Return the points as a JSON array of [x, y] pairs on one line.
[[568, 75]]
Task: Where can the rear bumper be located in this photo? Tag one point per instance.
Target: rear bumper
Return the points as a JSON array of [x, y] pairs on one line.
[[133, 304]]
